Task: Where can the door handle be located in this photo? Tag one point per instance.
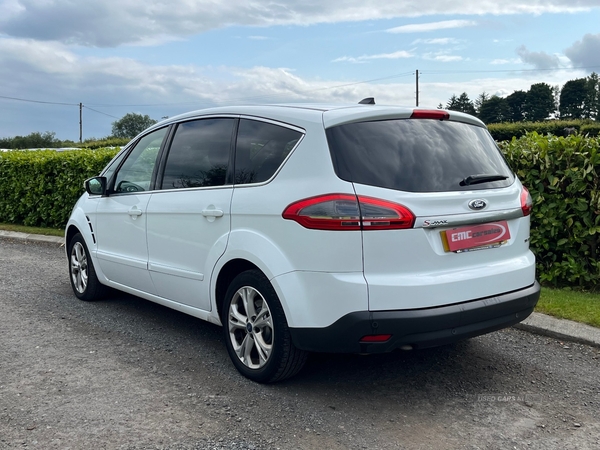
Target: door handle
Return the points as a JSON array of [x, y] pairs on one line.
[[135, 212], [212, 213]]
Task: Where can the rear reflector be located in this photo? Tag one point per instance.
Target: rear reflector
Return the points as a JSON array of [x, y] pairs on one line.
[[376, 338], [430, 114], [346, 212]]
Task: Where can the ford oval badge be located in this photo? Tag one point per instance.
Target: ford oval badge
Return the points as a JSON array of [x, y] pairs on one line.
[[477, 204]]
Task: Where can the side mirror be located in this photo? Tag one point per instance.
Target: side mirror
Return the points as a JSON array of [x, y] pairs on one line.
[[95, 185]]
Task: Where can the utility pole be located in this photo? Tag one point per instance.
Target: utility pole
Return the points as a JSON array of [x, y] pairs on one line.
[[417, 82], [80, 123]]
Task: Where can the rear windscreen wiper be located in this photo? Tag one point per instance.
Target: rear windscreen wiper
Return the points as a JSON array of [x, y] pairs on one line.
[[482, 178]]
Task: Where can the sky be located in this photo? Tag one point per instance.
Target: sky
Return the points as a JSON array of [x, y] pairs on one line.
[[165, 57]]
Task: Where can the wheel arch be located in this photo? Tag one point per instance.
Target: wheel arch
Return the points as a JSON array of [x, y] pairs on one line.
[[71, 231], [227, 273]]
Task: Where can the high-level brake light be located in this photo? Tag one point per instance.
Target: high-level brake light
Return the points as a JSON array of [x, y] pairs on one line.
[[430, 114]]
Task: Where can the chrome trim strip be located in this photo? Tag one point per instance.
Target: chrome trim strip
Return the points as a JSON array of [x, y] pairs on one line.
[[454, 220]]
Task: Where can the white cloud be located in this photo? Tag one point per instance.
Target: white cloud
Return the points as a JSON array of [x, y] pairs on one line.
[[105, 23], [51, 71], [585, 53], [364, 58], [258, 38], [540, 60], [432, 26], [443, 56], [437, 41], [505, 61]]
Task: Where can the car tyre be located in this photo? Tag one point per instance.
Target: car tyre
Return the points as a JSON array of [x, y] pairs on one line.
[[82, 274], [257, 335]]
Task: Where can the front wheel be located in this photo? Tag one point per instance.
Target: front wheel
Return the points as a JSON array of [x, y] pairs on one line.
[[256, 332], [83, 277]]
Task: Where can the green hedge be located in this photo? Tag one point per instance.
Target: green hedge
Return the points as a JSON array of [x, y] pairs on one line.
[[40, 187], [562, 175], [506, 131], [102, 143]]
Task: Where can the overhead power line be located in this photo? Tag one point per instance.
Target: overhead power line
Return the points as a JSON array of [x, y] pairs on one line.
[[38, 101], [287, 94], [100, 112], [275, 96]]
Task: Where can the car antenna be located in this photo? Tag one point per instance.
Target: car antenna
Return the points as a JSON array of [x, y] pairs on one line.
[[367, 101]]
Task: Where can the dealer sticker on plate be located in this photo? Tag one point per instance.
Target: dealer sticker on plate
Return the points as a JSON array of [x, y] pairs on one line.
[[475, 236]]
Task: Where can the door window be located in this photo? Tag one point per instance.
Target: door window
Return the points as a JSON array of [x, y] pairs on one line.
[[199, 154], [135, 174], [261, 148]]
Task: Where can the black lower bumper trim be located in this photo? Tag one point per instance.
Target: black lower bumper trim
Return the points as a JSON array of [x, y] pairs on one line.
[[419, 328]]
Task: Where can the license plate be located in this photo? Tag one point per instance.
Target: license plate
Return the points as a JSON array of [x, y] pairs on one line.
[[475, 236]]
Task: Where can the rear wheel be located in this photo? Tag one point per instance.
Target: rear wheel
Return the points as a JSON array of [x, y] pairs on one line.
[[256, 332], [83, 277]]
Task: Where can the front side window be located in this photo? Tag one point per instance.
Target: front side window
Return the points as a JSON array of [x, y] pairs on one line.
[[199, 154], [113, 165], [135, 174], [261, 148]]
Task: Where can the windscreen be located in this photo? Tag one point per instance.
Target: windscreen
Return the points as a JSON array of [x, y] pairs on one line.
[[418, 155]]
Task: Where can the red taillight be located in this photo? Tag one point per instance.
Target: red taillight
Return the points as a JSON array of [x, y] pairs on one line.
[[430, 114], [375, 338], [379, 214], [326, 212], [526, 202], [347, 212]]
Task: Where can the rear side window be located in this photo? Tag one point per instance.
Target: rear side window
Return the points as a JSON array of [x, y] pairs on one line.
[[261, 148], [199, 154], [418, 155]]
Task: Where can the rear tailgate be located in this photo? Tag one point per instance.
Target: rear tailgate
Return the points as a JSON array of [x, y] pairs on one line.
[[416, 268], [469, 237]]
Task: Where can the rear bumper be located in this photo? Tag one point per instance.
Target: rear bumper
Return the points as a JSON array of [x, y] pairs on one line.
[[419, 328]]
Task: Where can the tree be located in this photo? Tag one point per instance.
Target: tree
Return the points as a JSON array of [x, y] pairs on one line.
[[572, 98], [591, 104], [516, 106], [539, 102], [451, 103], [462, 104], [32, 140], [130, 125], [494, 110], [481, 99]]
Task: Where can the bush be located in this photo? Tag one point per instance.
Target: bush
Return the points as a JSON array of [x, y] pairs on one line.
[[32, 140], [103, 143], [39, 188], [562, 175], [506, 131], [591, 129], [48, 140]]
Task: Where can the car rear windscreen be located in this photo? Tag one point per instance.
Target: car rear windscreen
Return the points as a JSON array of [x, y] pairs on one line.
[[418, 155]]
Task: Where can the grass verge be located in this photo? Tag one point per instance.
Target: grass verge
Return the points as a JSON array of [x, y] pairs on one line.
[[32, 230], [579, 306]]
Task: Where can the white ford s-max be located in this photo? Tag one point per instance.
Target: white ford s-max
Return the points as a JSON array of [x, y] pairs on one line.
[[358, 228]]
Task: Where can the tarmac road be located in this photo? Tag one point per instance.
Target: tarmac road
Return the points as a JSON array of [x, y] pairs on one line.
[[125, 373]]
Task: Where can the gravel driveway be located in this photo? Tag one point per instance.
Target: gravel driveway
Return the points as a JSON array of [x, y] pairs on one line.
[[125, 373]]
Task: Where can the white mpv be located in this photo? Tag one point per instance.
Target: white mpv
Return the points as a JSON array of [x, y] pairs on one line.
[[303, 228]]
